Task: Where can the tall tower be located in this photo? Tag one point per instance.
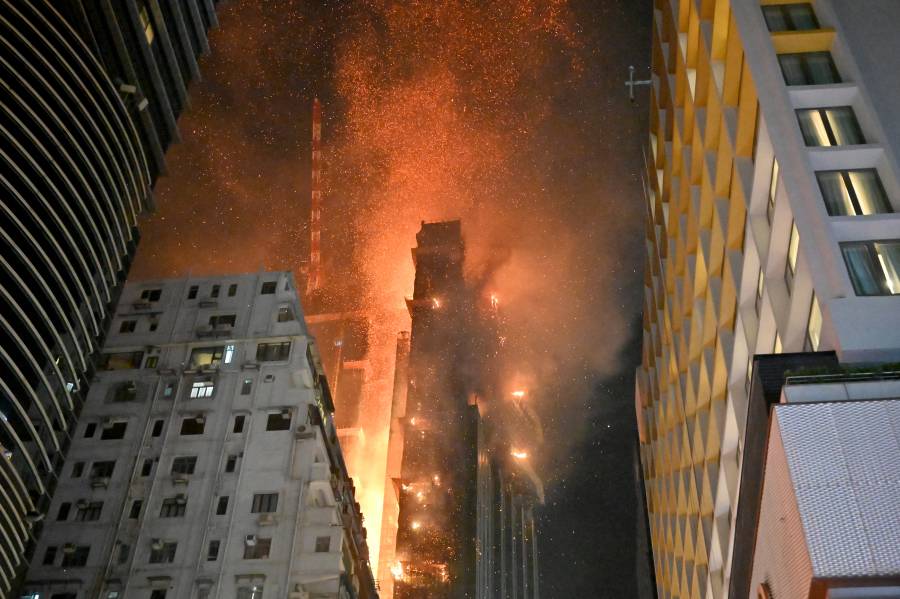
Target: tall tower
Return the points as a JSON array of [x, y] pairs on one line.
[[772, 230], [314, 280]]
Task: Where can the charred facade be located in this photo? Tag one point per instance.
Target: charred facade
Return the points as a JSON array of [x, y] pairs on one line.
[[436, 537]]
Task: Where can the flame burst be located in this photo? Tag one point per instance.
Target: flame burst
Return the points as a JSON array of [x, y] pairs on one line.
[[440, 99]]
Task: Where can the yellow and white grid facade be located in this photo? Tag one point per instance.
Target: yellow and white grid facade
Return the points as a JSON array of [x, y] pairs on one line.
[[771, 226]]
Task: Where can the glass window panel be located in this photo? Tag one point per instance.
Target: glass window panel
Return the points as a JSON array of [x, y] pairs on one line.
[[844, 126], [820, 68], [793, 248], [865, 275], [835, 193], [814, 328], [776, 19], [792, 69], [888, 253], [801, 17], [815, 134], [870, 194]]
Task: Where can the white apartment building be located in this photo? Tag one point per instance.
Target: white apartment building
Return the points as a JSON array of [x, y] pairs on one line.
[[205, 462], [772, 227]]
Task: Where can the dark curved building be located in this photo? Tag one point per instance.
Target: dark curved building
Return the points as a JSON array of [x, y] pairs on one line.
[[80, 148]]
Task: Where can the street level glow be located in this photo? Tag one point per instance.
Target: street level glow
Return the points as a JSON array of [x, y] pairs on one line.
[[519, 454], [397, 571], [416, 525], [518, 394], [436, 302]]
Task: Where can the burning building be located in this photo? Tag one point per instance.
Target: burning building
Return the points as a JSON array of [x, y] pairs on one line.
[[461, 484], [435, 552]]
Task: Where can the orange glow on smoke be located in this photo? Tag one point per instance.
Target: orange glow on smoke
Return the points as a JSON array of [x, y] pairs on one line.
[[518, 394], [519, 454]]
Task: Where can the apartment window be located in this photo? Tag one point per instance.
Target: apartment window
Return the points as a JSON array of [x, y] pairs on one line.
[[257, 549], [232, 290], [790, 17], [147, 467], [829, 127], [323, 544], [157, 428], [212, 553], [273, 352], [64, 596], [193, 425], [113, 431], [231, 463], [158, 594], [173, 507], [238, 424], [135, 512], [229, 353], [853, 192], [121, 360], [154, 323], [813, 326], [285, 314], [874, 266], [169, 390], [103, 469], [790, 268], [222, 320], [146, 23], [88, 512], [202, 389], [192, 291], [214, 292], [278, 421], [75, 557], [151, 295], [809, 68], [207, 357], [77, 469], [127, 326], [124, 392], [268, 288], [222, 506], [124, 552], [151, 362], [163, 553], [49, 556], [63, 513], [246, 386], [90, 429], [184, 465], [773, 190], [760, 287], [264, 503], [251, 592]]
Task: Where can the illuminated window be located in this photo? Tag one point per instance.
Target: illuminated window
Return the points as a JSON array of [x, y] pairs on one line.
[[790, 269], [229, 353], [790, 17], [202, 389], [808, 68], [760, 286], [777, 347], [853, 193], [814, 326], [874, 266], [828, 127], [146, 23], [206, 357], [773, 189]]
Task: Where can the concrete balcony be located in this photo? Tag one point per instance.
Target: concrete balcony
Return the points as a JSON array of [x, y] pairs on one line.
[[320, 516], [321, 563]]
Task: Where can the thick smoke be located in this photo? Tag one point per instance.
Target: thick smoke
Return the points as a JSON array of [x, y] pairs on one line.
[[466, 110]]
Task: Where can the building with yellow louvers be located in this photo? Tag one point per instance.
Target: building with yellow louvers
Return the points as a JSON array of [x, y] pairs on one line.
[[771, 228]]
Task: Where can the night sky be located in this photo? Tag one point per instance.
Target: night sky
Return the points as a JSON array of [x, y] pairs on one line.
[[511, 115]]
